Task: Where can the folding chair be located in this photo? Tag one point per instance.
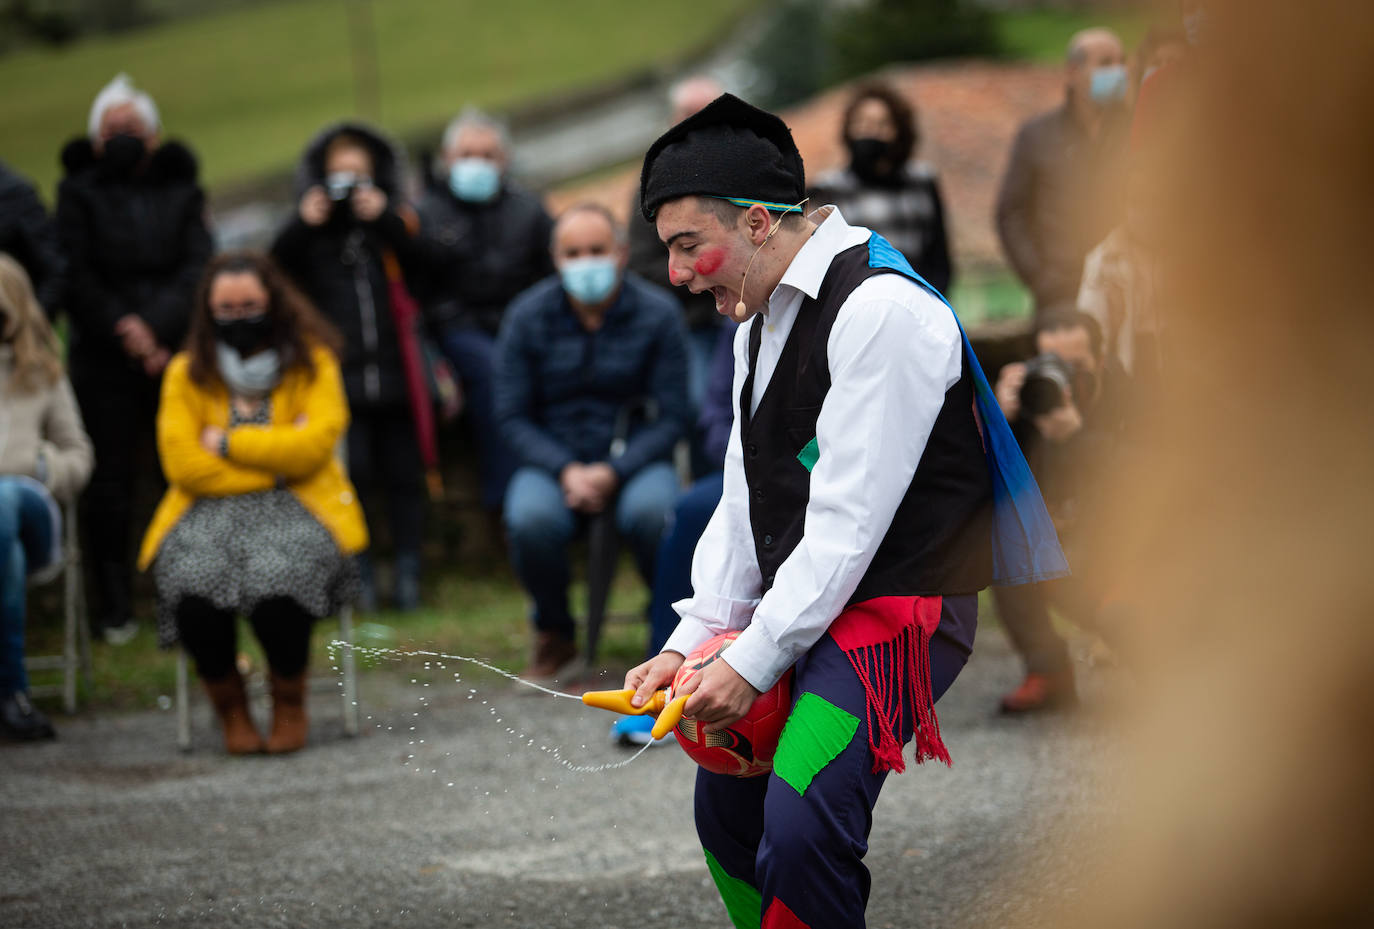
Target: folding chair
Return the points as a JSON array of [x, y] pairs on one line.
[[347, 665], [76, 634]]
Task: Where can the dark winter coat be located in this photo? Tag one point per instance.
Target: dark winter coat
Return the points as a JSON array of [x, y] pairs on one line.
[[135, 242], [486, 253], [559, 388], [339, 265], [29, 236]]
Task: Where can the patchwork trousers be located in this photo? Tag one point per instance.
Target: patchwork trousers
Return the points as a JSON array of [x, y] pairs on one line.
[[786, 850]]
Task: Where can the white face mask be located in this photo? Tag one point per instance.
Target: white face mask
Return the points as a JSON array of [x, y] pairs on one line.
[[254, 376]]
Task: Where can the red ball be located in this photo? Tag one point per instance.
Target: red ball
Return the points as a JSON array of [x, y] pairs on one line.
[[747, 746]]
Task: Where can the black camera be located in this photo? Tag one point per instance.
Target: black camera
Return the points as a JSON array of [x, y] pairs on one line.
[[1048, 385]]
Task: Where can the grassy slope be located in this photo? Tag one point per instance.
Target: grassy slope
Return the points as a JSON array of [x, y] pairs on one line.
[[249, 86]]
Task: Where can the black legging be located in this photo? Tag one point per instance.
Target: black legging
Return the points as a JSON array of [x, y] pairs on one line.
[[210, 635]]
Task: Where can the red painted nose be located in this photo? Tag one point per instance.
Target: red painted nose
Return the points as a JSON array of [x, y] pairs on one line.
[[678, 277]]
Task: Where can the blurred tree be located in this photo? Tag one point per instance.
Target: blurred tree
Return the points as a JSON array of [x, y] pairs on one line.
[[792, 53], [874, 33]]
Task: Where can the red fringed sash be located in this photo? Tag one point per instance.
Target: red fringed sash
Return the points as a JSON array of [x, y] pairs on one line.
[[887, 640]]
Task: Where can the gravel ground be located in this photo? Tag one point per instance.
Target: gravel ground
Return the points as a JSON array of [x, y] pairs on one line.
[[470, 818]]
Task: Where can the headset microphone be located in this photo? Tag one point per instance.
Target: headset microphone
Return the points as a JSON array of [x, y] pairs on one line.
[[741, 312]]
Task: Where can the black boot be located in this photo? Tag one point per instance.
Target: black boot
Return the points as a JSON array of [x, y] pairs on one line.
[[20, 720]]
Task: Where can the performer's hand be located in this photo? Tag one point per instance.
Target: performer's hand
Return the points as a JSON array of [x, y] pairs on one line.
[[652, 675], [719, 696]]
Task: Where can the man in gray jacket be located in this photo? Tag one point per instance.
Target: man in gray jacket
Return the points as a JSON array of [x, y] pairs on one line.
[[1063, 189]]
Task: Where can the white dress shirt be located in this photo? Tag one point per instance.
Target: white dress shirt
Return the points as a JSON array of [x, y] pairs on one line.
[[894, 351]]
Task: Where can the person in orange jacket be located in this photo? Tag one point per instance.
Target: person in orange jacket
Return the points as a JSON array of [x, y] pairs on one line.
[[259, 517]]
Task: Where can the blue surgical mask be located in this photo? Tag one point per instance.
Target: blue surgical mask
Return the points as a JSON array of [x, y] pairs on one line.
[[475, 180], [590, 280], [1108, 84]]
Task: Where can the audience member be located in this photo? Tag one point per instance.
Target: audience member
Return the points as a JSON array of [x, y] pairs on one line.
[[883, 188], [691, 513], [575, 351], [1120, 290], [131, 221], [259, 518], [350, 225], [1056, 409], [1063, 187], [29, 236], [1159, 49], [490, 239], [45, 459], [649, 259]]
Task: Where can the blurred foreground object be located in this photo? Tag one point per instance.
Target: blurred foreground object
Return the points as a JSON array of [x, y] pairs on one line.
[[1243, 531]]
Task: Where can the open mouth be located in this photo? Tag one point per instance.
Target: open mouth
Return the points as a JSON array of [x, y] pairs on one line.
[[722, 298]]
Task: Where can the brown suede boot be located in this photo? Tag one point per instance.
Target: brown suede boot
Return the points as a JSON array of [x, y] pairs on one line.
[[289, 722], [231, 706]]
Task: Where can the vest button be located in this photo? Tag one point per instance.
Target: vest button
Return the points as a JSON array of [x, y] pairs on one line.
[[767, 538], [758, 493], [753, 450], [768, 581]]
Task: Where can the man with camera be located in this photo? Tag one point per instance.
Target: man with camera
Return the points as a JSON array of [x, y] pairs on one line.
[[1053, 403]]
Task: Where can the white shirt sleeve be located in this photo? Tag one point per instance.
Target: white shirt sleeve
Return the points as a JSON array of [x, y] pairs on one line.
[[725, 568], [894, 352]]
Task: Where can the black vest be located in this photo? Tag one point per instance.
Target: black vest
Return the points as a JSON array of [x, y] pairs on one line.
[[940, 538]]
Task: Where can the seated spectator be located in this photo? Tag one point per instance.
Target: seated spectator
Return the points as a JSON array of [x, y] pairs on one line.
[[29, 236], [575, 351], [351, 223], [131, 222], [45, 459], [1056, 410], [882, 188], [691, 513], [490, 239], [649, 259], [259, 519]]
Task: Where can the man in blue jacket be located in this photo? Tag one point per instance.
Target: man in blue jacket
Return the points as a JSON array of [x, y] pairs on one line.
[[577, 353]]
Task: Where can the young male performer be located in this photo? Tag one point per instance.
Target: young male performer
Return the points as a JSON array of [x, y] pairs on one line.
[[871, 489]]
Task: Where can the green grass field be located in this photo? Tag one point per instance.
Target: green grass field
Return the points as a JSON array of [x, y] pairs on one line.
[[472, 612], [248, 87]]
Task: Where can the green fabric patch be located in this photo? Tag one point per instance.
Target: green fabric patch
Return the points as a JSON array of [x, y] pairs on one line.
[[809, 455], [815, 733], [743, 903]]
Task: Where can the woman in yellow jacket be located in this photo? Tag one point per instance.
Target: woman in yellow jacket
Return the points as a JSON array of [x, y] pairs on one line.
[[259, 518]]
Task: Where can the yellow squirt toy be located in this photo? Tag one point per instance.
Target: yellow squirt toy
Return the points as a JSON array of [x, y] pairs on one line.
[[618, 701]]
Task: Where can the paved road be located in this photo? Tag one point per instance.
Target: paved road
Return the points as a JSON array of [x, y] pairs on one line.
[[453, 809]]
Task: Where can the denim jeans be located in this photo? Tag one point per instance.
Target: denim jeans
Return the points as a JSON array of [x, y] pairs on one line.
[[673, 572], [471, 352], [540, 528], [30, 530]]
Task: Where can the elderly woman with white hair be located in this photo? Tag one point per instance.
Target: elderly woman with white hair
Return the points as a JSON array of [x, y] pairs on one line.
[[131, 220]]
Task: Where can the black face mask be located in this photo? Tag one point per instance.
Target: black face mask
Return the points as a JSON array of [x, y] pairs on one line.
[[873, 160], [124, 153], [245, 335]]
